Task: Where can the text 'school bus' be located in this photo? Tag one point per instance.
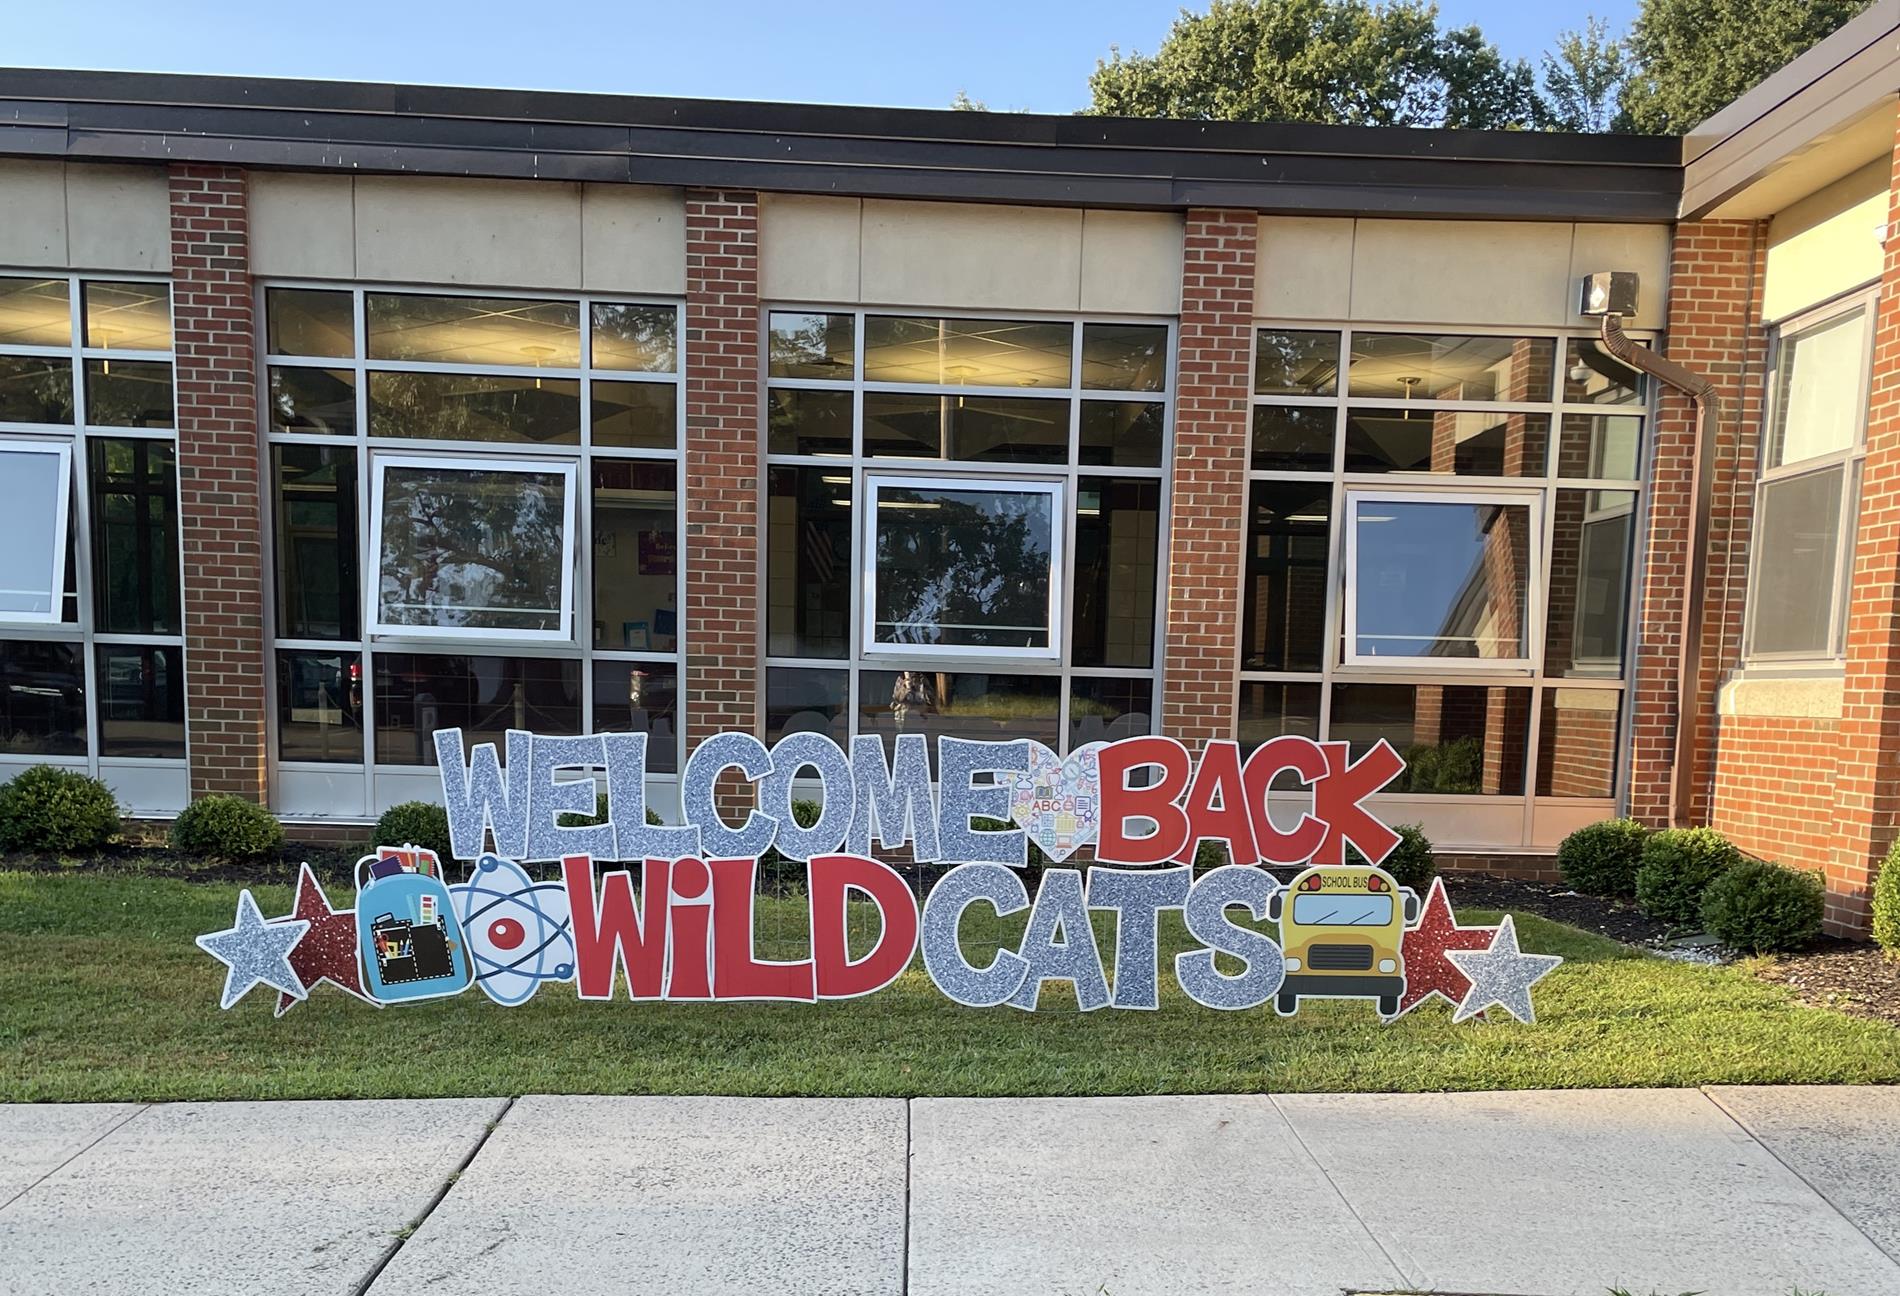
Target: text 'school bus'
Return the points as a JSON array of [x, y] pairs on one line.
[[1343, 930]]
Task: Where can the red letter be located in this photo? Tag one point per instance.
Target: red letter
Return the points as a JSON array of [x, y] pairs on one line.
[[1219, 775], [832, 879], [736, 974], [1337, 796], [1304, 757], [1121, 803], [605, 930]]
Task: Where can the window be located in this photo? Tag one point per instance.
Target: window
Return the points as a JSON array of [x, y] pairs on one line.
[[944, 492], [33, 531], [1807, 501]]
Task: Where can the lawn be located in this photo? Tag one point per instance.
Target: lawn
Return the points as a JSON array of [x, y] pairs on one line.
[[103, 996]]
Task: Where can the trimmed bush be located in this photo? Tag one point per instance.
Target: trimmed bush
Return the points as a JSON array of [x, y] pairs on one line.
[[1887, 903], [1601, 859], [1678, 866], [1410, 862], [1764, 908], [227, 828], [416, 823], [571, 819], [46, 808]]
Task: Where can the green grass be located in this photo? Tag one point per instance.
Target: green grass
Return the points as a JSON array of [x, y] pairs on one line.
[[103, 996]]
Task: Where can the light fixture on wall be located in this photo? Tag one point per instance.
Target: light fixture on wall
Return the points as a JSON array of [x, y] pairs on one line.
[[537, 352]]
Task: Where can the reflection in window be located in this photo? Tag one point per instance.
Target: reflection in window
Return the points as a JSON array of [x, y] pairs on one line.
[[1591, 534], [992, 429], [315, 516], [1294, 362], [1798, 542], [475, 407], [35, 312], [807, 701], [501, 331], [804, 422], [36, 389], [1421, 366], [640, 697], [963, 704], [636, 415], [141, 702], [636, 555], [1117, 539], [33, 531], [1464, 443], [313, 400], [1576, 743], [1125, 357], [129, 393], [808, 570], [309, 322], [1592, 376], [127, 316], [1292, 438], [134, 485], [1457, 739], [963, 566], [1437, 578], [320, 707], [1818, 406], [1270, 708], [1283, 618], [636, 337], [416, 694], [967, 352], [42, 698], [806, 344], [1121, 434], [1103, 710], [1600, 445]]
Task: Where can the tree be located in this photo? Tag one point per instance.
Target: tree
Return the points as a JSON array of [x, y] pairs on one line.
[[1584, 79], [963, 103], [1694, 57], [1352, 62]]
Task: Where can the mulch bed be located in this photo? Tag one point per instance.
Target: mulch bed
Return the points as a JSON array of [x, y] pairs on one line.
[[1850, 976], [1617, 919]]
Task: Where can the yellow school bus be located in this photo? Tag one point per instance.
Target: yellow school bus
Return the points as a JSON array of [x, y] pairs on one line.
[[1343, 928]]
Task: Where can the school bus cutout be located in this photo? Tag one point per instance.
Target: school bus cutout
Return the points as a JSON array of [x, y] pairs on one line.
[[1343, 930]]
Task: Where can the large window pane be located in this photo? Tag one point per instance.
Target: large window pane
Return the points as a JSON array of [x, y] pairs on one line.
[[1457, 739], [1102, 709], [141, 702], [807, 344], [34, 488], [800, 701], [804, 422], [127, 316], [1437, 578], [1293, 438], [1423, 366], [969, 567], [1117, 539], [967, 352], [316, 538], [961, 704], [309, 322], [1121, 434], [313, 400], [1591, 534], [1296, 362], [42, 699], [636, 555], [1797, 554], [1600, 445], [1283, 621], [1465, 443], [1270, 708], [35, 312], [1819, 405], [1576, 742], [641, 697], [129, 393], [475, 407], [636, 415], [320, 707], [991, 429], [1125, 357], [36, 389], [808, 567], [474, 330], [484, 697], [474, 550], [135, 535], [640, 338], [1592, 376]]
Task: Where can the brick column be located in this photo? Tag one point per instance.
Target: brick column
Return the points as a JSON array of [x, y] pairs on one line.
[[723, 484], [1207, 506], [1714, 328], [220, 501]]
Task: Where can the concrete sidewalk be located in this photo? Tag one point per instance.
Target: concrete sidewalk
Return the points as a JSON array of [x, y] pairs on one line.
[[1732, 1191]]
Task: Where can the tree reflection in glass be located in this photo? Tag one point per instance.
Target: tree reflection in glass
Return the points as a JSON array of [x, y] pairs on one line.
[[473, 548], [965, 568]]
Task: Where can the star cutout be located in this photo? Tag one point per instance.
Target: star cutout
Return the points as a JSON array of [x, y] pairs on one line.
[[328, 950], [1501, 975], [254, 951], [1428, 972]]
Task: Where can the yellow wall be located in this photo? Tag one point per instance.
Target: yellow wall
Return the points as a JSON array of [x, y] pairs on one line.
[[1827, 243]]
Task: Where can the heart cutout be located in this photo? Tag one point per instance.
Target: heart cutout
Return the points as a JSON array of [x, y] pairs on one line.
[[1057, 800]]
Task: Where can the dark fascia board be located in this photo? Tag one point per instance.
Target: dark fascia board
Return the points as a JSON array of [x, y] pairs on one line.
[[1842, 78], [807, 148]]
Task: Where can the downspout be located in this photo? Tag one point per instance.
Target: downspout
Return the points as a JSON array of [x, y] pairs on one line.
[[1707, 404]]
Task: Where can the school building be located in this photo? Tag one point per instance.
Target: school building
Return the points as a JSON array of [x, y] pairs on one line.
[[331, 414]]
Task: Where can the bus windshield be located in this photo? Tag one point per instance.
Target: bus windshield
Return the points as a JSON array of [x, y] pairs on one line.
[[1323, 910]]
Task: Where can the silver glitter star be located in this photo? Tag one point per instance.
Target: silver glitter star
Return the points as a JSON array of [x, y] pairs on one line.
[[254, 951], [1501, 975]]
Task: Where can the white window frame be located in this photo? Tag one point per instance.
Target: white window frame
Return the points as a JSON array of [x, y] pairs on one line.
[[1849, 460], [1530, 634], [566, 469], [63, 452], [874, 482]]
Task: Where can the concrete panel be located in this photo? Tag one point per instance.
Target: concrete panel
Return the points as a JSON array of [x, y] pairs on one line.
[[686, 1196], [1838, 1138], [490, 233], [32, 214], [972, 256], [1131, 262], [1826, 244], [1303, 269], [118, 218], [243, 1197], [1693, 1203], [38, 1138], [809, 248], [633, 239], [1133, 1196], [1642, 248], [303, 226], [1819, 698], [1462, 272]]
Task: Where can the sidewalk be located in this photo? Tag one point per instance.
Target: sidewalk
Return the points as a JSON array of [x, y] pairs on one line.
[[1731, 1191]]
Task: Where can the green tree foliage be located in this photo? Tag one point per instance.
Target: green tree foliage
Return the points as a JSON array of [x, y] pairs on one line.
[[1348, 62], [1694, 57], [1584, 78]]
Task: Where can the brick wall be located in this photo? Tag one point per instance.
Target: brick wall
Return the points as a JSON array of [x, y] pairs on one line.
[[1200, 659], [723, 483], [1775, 786], [219, 486]]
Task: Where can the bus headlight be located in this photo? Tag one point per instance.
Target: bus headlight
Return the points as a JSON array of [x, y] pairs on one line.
[[1292, 964], [1388, 966]]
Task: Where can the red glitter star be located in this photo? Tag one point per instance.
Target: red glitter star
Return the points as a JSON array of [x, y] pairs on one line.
[[1427, 971], [327, 951]]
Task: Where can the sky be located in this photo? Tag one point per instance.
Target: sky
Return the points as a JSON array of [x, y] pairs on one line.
[[1033, 55]]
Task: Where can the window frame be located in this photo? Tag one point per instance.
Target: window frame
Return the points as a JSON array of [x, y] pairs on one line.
[[62, 451], [1850, 460]]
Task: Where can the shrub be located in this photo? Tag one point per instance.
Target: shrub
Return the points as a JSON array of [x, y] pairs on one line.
[[416, 823], [1601, 859], [227, 828], [1887, 902], [1678, 865], [1411, 863], [1762, 907], [573, 819], [46, 808], [778, 872]]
